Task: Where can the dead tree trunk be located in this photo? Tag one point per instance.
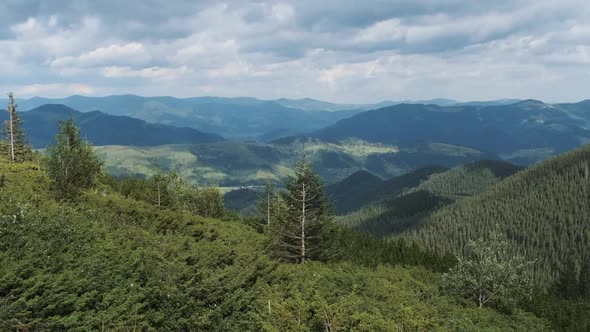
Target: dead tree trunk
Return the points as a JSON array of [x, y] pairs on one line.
[[303, 203], [11, 132]]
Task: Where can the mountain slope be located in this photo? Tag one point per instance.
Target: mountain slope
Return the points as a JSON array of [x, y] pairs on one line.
[[469, 179], [244, 118], [108, 262], [523, 132], [407, 206], [544, 211], [41, 125], [362, 188]]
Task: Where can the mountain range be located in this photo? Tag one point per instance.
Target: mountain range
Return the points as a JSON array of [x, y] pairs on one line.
[[40, 125], [523, 133], [243, 118], [238, 118]]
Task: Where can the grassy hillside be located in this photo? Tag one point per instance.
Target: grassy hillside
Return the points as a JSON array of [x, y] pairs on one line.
[[41, 126], [544, 210], [115, 264], [236, 164], [522, 132]]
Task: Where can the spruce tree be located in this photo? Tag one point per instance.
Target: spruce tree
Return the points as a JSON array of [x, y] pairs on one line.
[[16, 147], [566, 285], [71, 163], [584, 280], [302, 230]]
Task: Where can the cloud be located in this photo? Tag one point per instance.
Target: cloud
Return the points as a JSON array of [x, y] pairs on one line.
[[54, 89], [345, 50], [131, 53]]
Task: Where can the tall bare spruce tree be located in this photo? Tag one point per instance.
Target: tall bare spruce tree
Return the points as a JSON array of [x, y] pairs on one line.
[[301, 230], [17, 147]]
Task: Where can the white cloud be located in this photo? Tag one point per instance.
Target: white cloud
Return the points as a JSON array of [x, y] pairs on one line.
[[342, 50], [131, 54], [55, 89], [152, 73]]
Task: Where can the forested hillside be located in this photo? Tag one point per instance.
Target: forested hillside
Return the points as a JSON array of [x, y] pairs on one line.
[[407, 199], [469, 179], [544, 211], [362, 188], [106, 262]]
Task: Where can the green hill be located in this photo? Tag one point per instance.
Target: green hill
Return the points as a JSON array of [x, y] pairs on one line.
[[544, 211], [234, 164], [111, 263]]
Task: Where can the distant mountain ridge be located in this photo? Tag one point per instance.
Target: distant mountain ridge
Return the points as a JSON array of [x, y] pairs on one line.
[[41, 125], [518, 132], [241, 118]]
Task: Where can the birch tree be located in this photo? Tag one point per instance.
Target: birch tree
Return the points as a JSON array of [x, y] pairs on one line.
[[490, 274]]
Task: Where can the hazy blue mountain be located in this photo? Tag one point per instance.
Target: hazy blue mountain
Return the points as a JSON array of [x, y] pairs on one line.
[[489, 102], [523, 132], [41, 124], [243, 117], [308, 104]]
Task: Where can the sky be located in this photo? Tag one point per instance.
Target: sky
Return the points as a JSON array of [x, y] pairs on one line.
[[346, 51]]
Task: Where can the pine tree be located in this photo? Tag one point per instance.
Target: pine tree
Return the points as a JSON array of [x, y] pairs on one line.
[[16, 147], [71, 163], [566, 285], [584, 280], [301, 230]]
